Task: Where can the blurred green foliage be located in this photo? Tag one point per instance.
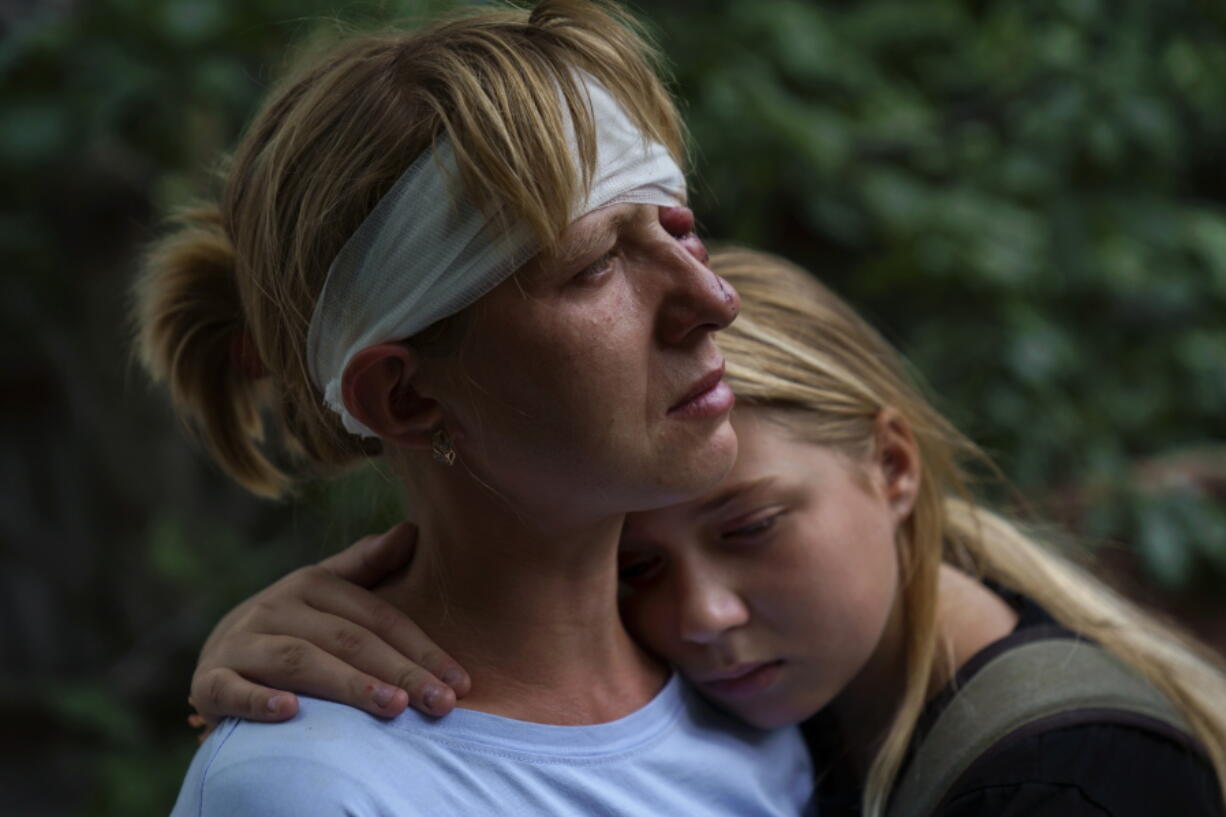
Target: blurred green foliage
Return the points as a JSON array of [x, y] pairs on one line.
[[1028, 197]]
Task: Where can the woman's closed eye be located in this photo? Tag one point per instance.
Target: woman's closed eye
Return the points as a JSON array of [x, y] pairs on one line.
[[596, 269]]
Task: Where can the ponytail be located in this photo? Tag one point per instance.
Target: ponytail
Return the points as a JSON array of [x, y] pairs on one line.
[[191, 336]]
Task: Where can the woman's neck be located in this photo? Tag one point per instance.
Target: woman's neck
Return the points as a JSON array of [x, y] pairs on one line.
[[528, 608]]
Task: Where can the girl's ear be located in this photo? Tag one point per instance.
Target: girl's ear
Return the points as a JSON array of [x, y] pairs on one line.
[[378, 390], [897, 455]]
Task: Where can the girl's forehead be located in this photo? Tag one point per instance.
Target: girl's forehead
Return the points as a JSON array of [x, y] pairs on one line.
[[760, 469], [774, 464]]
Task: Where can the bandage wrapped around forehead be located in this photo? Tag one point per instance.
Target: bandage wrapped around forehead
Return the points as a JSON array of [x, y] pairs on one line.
[[425, 252]]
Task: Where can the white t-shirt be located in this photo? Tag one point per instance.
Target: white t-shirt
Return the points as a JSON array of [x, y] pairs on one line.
[[675, 756]]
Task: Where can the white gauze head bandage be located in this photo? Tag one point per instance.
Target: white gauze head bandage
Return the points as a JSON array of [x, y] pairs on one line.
[[425, 252]]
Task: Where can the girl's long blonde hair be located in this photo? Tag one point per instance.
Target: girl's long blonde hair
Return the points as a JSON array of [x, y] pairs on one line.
[[798, 348], [223, 307]]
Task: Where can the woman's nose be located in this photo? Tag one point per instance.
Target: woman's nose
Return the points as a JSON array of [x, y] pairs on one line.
[[697, 301], [679, 223], [709, 609]]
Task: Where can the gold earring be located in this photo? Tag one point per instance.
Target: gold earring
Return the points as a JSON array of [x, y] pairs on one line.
[[442, 448]]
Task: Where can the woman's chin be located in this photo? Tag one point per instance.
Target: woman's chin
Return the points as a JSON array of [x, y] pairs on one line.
[[718, 454], [697, 470]]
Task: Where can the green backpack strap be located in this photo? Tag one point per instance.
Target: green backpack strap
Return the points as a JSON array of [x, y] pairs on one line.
[[1021, 686]]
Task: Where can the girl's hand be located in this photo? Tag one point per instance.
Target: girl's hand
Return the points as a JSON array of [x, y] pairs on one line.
[[319, 632]]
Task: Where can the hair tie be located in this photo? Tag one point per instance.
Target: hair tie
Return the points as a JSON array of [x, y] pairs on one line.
[[244, 358]]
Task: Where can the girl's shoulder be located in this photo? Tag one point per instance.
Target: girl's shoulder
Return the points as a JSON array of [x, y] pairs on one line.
[[1118, 749], [1092, 768]]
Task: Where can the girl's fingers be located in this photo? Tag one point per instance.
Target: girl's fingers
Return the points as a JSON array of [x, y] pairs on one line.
[[372, 558], [413, 652], [312, 670], [222, 693], [319, 633], [351, 623], [195, 721], [360, 669]]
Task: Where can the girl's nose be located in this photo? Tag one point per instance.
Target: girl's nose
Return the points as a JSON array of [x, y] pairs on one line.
[[709, 609]]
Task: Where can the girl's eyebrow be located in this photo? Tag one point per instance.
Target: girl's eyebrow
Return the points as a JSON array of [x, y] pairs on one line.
[[724, 498]]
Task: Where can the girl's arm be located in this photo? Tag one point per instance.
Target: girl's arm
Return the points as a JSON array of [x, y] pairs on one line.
[[320, 632]]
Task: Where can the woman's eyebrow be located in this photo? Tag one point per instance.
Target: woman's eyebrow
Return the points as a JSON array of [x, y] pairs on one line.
[[589, 241]]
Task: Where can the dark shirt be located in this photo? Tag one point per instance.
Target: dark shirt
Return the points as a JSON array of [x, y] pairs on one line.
[[1087, 769]]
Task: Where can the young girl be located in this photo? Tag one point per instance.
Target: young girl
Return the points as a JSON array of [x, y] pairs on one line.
[[463, 247], [841, 575]]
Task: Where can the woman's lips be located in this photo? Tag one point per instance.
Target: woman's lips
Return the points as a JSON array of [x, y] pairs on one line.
[[709, 397], [745, 680]]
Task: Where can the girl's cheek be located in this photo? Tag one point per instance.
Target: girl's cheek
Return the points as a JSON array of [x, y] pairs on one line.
[[649, 620], [663, 628]]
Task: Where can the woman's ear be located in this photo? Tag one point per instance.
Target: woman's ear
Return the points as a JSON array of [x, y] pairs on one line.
[[897, 455], [378, 390]]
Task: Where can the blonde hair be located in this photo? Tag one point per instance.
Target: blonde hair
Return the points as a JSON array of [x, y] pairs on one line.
[[799, 349], [232, 288]]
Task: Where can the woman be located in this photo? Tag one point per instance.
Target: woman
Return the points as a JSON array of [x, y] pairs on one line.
[[839, 575], [502, 189]]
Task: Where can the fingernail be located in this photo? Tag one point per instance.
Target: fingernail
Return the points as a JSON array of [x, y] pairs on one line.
[[273, 704], [431, 695], [383, 696], [453, 677]]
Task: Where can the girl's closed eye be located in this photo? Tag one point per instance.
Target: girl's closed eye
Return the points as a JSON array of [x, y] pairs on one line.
[[636, 569], [752, 528]]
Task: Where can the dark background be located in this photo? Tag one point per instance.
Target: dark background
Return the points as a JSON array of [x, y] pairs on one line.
[[1028, 197]]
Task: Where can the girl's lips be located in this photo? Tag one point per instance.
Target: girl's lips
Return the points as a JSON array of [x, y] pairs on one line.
[[753, 679]]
